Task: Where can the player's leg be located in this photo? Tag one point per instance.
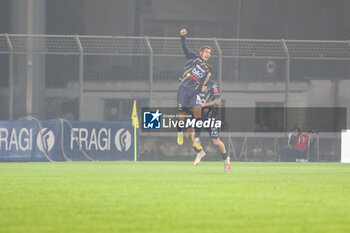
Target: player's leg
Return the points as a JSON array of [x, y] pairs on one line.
[[200, 153], [180, 137], [197, 115], [181, 105], [190, 134], [218, 143], [199, 157]]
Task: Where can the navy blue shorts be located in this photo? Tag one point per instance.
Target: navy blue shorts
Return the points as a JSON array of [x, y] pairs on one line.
[[187, 99], [213, 133]]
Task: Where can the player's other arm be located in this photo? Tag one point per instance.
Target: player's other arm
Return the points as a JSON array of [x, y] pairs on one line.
[[188, 53], [216, 94], [202, 84], [212, 103]]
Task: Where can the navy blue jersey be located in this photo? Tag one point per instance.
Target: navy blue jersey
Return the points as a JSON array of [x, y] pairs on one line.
[[211, 93], [195, 71]]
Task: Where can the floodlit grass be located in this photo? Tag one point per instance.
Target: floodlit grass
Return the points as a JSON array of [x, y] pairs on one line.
[[174, 197]]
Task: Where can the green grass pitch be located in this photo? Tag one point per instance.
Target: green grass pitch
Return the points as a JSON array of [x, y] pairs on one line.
[[174, 197]]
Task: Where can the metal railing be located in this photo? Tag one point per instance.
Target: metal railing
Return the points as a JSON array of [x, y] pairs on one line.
[[69, 68], [72, 61]]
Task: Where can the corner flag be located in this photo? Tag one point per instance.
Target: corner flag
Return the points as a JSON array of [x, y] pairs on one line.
[[134, 118], [135, 123]]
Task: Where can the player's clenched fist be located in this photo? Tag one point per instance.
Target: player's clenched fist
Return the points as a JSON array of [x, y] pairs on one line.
[[183, 32]]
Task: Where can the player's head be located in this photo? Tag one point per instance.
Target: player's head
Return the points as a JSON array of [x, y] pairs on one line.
[[205, 52]]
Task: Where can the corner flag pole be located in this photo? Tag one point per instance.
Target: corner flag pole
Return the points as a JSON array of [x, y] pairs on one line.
[[135, 123]]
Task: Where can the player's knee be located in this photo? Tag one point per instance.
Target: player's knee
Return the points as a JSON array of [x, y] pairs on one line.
[[197, 112], [216, 142], [181, 116], [188, 134]]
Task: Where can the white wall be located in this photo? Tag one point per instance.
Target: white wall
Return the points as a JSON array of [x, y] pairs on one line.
[[316, 93]]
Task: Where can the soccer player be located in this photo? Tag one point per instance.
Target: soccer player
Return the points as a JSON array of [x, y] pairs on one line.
[[210, 97], [196, 73]]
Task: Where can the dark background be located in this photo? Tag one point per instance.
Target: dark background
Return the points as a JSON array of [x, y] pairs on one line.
[[258, 19]]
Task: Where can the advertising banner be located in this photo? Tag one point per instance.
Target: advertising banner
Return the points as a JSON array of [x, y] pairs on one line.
[[26, 141], [48, 141], [100, 140]]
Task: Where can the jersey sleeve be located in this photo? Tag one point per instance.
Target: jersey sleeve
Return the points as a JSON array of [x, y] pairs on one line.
[[188, 53]]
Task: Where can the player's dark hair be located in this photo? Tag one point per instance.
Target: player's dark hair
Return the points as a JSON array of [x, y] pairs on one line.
[[204, 47]]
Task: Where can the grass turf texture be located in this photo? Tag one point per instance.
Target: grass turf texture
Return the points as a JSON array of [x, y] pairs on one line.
[[174, 197]]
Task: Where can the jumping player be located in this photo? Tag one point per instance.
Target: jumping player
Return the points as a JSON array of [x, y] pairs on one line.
[[196, 73], [210, 97]]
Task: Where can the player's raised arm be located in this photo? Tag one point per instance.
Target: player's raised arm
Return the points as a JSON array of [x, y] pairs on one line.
[[188, 53]]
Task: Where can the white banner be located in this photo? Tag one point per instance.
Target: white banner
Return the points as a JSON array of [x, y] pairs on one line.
[[345, 146]]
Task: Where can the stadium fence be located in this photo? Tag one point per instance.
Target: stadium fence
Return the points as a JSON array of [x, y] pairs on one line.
[[71, 68]]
